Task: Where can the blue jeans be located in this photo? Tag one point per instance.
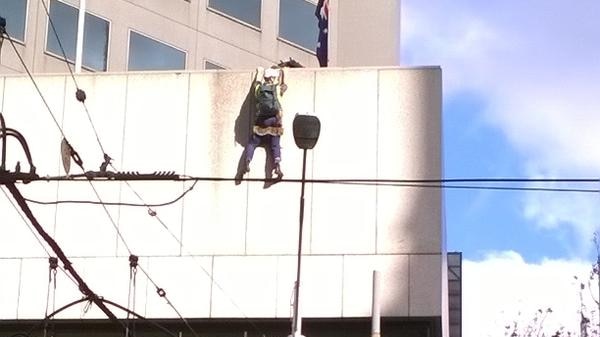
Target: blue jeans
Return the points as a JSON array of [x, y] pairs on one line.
[[272, 141]]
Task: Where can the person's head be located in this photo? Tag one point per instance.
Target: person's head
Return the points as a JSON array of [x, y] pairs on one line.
[[271, 74]]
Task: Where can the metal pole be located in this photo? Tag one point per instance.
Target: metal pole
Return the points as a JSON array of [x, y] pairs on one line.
[[296, 328], [376, 307], [80, 31]]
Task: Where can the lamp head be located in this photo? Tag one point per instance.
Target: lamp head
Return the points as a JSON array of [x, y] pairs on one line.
[[306, 131]]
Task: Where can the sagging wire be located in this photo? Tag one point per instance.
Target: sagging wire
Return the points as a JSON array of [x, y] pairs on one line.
[[105, 301], [115, 203]]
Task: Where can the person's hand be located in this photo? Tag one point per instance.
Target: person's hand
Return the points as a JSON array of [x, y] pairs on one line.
[[283, 88], [259, 71]]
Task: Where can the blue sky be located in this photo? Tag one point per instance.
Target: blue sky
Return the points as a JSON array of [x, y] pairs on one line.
[[521, 99]]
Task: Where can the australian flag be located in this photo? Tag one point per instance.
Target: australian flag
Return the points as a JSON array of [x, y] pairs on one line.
[[322, 14]]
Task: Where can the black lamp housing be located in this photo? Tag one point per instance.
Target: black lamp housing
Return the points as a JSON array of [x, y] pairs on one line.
[[306, 131]]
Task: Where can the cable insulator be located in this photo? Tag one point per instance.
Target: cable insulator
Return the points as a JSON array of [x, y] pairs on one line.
[[133, 261], [151, 212], [53, 261], [80, 95], [161, 292]]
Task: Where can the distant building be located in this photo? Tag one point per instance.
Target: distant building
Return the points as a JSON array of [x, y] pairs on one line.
[[225, 254]]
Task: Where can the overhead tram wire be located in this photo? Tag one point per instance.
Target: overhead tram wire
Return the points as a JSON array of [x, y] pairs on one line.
[[176, 177], [79, 94], [387, 184], [35, 84], [440, 183]]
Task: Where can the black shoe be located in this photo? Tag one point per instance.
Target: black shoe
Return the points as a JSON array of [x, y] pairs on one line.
[[278, 172]]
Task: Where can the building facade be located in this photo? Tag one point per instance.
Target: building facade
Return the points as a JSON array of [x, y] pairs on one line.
[[133, 35]]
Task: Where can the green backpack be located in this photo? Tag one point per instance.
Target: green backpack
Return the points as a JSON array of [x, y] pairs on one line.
[[266, 100]]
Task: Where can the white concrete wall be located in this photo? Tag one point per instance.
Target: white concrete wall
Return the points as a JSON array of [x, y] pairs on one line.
[[237, 257]]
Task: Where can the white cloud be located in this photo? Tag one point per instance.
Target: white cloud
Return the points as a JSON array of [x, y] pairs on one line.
[[537, 63], [503, 289]]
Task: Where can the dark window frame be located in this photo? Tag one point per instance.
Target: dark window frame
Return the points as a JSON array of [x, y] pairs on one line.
[[25, 22], [58, 54], [289, 41], [216, 65], [237, 19], [134, 31]]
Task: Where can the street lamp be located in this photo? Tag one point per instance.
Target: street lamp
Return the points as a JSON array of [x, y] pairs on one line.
[[306, 133]]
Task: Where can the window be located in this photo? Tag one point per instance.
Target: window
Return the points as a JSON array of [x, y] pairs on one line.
[[149, 54], [15, 13], [298, 23], [212, 66], [95, 36], [245, 10]]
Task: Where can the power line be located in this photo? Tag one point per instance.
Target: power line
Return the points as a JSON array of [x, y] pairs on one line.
[[90, 202], [170, 176], [162, 293], [79, 94], [35, 84], [415, 183], [476, 187]]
